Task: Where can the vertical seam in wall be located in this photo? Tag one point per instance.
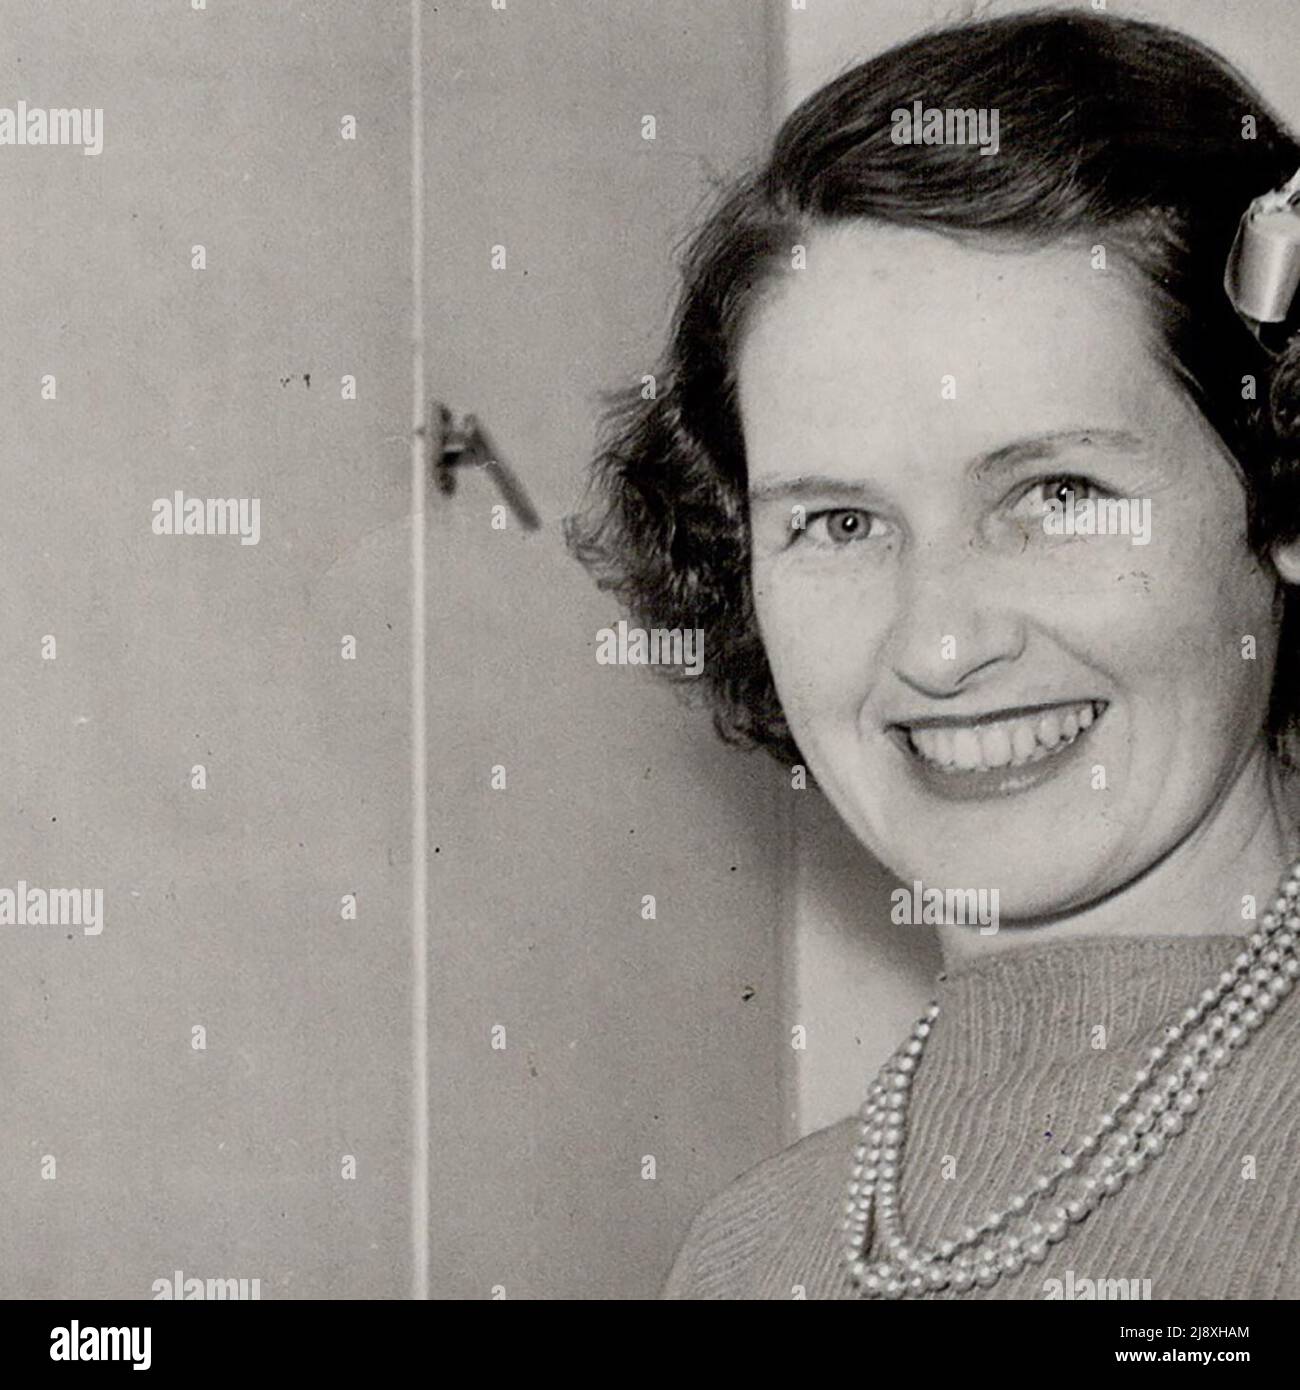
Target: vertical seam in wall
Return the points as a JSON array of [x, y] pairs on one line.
[[419, 711]]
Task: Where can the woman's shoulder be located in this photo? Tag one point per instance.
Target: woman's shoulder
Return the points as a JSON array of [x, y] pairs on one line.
[[777, 1199]]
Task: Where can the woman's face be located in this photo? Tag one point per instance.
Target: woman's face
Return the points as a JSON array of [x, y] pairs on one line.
[[986, 703]]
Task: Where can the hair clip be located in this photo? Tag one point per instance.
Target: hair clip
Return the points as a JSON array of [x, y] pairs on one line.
[[1263, 271]]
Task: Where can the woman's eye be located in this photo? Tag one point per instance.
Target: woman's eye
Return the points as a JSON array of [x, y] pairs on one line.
[[840, 526], [1057, 493]]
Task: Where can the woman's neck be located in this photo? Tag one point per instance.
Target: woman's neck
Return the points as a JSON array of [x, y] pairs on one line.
[[1197, 889]]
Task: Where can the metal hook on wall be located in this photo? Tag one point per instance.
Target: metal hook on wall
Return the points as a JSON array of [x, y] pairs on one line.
[[453, 446]]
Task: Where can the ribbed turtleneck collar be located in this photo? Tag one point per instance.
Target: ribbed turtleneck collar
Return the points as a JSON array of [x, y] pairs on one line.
[[1026, 1006]]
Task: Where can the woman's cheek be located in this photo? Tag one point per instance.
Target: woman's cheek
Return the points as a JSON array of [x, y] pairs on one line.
[[820, 647], [786, 622]]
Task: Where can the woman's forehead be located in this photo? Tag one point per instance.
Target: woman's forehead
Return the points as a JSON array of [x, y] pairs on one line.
[[893, 337]]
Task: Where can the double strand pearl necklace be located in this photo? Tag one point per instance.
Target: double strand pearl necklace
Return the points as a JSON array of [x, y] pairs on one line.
[[1166, 1090]]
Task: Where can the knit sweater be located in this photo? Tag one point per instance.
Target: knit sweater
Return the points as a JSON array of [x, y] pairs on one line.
[[1031, 1046]]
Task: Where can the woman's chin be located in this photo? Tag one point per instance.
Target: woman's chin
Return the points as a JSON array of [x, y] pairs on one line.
[[1028, 895]]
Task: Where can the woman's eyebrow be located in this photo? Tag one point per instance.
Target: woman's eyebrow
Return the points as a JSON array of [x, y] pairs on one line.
[[1000, 460], [1049, 445], [808, 484]]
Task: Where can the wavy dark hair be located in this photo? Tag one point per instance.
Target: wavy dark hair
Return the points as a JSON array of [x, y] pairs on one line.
[[1126, 133]]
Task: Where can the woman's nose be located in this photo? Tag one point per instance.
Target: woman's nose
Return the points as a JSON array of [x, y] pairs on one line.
[[957, 617]]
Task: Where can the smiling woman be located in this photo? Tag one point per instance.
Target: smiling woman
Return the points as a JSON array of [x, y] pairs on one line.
[[970, 620], [988, 499]]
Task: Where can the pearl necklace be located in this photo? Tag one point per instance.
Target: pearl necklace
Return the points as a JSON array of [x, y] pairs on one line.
[[1143, 1120]]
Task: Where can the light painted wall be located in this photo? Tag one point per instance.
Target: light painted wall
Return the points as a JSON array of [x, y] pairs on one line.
[[222, 907], [625, 1039], [858, 979]]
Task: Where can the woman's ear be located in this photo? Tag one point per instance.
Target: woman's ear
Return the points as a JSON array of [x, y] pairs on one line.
[[1286, 560]]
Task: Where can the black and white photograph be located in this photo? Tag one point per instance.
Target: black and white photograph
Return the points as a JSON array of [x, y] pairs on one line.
[[652, 655]]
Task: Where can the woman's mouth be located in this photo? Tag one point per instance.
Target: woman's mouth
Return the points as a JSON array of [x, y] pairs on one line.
[[998, 753]]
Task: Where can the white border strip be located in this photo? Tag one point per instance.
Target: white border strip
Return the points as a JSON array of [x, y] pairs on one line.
[[419, 710]]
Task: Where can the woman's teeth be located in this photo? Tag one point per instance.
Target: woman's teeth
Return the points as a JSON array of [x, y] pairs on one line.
[[1006, 743]]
